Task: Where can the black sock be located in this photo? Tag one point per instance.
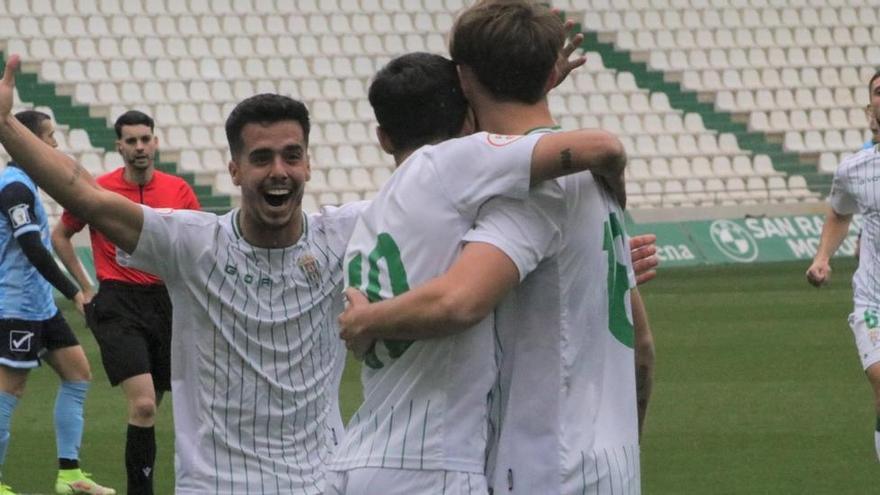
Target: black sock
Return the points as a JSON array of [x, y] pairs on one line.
[[140, 456], [67, 463]]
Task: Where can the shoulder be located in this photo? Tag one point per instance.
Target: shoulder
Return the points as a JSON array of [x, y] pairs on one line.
[[190, 218], [330, 215], [166, 179], [863, 157], [464, 144], [14, 178]]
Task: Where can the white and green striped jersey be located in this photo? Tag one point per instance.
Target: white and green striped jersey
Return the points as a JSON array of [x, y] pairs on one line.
[[856, 189], [564, 408], [256, 358], [425, 402]]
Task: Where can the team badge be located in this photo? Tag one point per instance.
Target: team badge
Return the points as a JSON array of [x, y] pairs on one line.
[[309, 267], [19, 215], [20, 340]]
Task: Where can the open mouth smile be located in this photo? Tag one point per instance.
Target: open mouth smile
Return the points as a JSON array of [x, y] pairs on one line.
[[277, 197]]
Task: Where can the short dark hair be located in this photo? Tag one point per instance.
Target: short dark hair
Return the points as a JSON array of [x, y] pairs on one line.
[[871, 82], [133, 117], [266, 108], [32, 119], [417, 99], [511, 45]]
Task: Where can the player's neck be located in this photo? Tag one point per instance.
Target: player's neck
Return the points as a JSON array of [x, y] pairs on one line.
[[513, 117], [260, 235], [137, 176]]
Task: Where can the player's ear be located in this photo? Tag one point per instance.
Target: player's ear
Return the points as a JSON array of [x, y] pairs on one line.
[[234, 172], [308, 160], [384, 140]]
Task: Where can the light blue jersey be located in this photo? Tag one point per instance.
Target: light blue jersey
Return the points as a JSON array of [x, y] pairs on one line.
[[24, 293]]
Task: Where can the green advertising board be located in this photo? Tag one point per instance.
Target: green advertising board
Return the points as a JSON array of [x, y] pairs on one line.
[[741, 240]]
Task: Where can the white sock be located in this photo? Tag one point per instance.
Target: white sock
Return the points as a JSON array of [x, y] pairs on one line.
[[877, 442]]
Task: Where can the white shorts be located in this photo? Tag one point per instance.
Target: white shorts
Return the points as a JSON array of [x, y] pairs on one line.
[[865, 324], [386, 481]]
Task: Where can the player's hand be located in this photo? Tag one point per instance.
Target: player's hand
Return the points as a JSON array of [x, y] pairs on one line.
[[643, 249], [80, 303], [819, 273], [350, 327], [88, 295], [7, 87], [566, 63]]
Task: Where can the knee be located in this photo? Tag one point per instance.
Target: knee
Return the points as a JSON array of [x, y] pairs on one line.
[[142, 411], [80, 375], [15, 389]]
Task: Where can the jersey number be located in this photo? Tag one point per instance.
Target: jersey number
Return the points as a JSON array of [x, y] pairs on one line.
[[618, 285], [386, 249]]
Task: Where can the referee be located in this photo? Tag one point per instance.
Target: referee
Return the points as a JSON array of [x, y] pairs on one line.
[[131, 315]]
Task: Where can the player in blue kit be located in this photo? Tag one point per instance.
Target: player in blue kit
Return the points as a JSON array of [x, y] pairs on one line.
[[31, 327]]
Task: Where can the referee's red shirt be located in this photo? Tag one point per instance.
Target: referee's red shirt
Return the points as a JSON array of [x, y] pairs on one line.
[[163, 191]]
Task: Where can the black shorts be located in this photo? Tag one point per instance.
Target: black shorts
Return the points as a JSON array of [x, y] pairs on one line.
[[132, 324], [24, 342]]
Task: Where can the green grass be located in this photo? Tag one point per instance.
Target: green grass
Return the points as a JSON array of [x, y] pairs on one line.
[[758, 390]]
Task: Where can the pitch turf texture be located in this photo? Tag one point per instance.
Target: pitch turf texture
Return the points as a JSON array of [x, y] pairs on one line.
[[758, 390]]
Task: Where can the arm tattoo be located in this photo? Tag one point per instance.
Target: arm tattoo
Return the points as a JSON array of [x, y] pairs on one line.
[[77, 171], [565, 157]]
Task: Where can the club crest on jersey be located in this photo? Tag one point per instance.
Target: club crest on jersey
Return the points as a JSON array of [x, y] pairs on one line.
[[309, 267], [19, 216], [501, 139]]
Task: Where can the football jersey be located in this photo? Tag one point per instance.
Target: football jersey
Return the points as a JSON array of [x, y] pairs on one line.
[[24, 293], [564, 406], [856, 189], [425, 405], [256, 357]]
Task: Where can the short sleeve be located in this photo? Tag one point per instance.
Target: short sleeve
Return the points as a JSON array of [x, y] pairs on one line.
[[17, 204], [72, 222], [527, 231], [841, 199], [164, 241], [473, 169], [341, 221]]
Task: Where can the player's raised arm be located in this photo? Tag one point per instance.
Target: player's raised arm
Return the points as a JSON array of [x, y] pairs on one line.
[[64, 179], [447, 304], [564, 153]]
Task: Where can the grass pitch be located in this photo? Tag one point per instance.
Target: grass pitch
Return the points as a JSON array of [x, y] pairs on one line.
[[758, 390]]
